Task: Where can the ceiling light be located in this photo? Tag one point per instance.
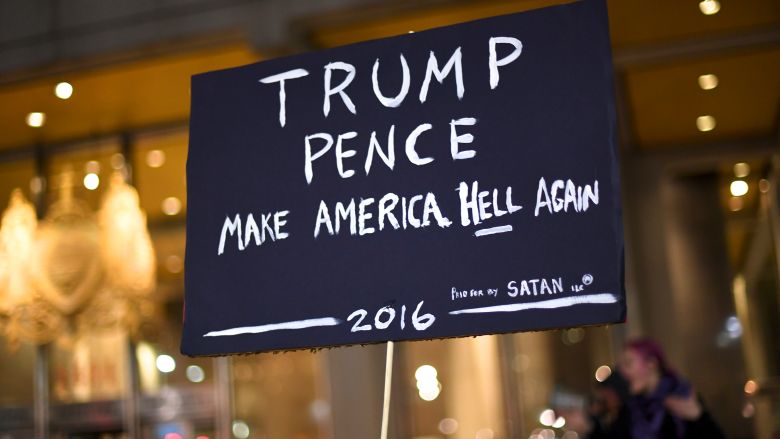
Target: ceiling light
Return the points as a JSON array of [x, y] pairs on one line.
[[708, 81], [155, 158], [741, 170], [171, 206], [709, 7], [36, 119], [63, 90], [738, 188], [91, 181], [705, 123]]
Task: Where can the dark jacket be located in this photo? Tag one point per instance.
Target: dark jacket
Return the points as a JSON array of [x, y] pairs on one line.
[[646, 417]]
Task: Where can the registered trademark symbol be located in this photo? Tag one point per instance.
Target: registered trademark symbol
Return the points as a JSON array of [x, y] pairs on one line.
[[587, 279]]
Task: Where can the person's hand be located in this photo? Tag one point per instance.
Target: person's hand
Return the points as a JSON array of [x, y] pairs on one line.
[[684, 407]]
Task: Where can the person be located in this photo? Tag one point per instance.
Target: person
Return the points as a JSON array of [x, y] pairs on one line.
[[661, 405], [609, 417]]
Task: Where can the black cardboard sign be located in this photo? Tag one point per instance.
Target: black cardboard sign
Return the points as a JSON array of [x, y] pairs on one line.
[[452, 182]]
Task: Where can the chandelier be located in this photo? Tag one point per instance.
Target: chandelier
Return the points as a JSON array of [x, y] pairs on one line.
[[75, 270]]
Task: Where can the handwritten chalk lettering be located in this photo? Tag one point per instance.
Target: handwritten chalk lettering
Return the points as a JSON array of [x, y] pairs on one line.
[[528, 287], [399, 98], [456, 294], [432, 70], [318, 145], [474, 208], [578, 198], [456, 139], [280, 78], [494, 63], [339, 89], [415, 212], [385, 316], [270, 228]]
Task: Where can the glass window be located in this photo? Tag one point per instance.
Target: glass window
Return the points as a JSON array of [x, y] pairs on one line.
[[88, 166], [159, 164]]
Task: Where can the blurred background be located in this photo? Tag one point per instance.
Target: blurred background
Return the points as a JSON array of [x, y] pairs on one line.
[[96, 93]]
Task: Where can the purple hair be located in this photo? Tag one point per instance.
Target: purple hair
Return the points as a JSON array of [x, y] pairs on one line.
[[648, 349]]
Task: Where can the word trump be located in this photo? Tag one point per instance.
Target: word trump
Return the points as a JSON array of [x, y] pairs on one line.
[[338, 90]]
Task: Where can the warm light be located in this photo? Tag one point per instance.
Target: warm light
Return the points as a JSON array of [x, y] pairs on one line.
[[705, 123], [427, 384], [36, 185], [171, 206], [155, 158], [602, 373], [485, 433], [735, 204], [521, 363], [748, 410], [113, 245], [195, 373], [448, 426], [429, 390], [741, 170], [146, 368], [91, 181], [63, 90], [709, 7], [174, 264], [320, 410], [559, 423], [738, 188], [751, 387], [763, 185], [36, 119], [547, 418], [172, 436], [240, 429], [708, 81], [117, 161], [572, 336], [425, 372], [202, 437], [165, 363]]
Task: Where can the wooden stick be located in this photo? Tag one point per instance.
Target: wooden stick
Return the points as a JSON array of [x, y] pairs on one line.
[[388, 386]]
